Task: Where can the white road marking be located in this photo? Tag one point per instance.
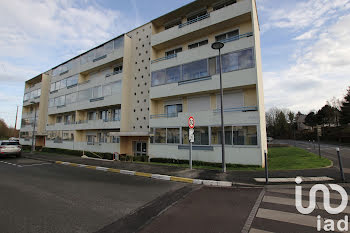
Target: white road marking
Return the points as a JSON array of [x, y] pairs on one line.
[[292, 180], [29, 165]]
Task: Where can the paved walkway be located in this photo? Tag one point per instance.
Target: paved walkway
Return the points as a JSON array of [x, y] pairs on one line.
[[237, 177]]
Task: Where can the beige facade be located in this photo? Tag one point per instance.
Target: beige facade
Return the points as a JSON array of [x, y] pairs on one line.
[[134, 94]]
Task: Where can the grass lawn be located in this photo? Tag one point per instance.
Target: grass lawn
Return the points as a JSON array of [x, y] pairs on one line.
[[286, 158], [280, 158]]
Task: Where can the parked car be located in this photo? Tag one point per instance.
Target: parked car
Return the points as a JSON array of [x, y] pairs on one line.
[[14, 139], [10, 148], [269, 139]]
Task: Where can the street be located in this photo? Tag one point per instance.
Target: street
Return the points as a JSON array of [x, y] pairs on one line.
[[39, 196]]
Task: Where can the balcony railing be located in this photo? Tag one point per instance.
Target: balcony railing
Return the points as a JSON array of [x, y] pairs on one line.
[[207, 15], [238, 109], [164, 58], [166, 115], [249, 34]]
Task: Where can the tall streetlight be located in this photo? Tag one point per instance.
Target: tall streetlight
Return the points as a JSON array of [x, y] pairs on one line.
[[33, 146], [219, 45]]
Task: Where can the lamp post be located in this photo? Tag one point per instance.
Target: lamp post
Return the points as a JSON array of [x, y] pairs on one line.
[[219, 45], [33, 137]]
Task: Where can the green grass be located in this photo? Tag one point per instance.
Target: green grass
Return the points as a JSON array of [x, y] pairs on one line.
[[290, 158], [279, 158]]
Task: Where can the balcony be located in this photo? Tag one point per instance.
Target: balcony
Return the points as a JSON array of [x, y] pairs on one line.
[[210, 22], [85, 125], [242, 115], [237, 78], [239, 42]]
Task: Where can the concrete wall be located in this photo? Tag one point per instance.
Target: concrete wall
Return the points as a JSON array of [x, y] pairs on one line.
[[249, 155], [98, 147]]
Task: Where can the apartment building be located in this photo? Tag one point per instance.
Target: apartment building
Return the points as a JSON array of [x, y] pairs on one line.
[[134, 94]]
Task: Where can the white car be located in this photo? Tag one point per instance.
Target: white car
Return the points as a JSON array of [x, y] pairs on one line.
[[269, 139], [10, 148]]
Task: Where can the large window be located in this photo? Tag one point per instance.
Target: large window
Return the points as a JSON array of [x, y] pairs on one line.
[[196, 69], [223, 4], [83, 95], [237, 60], [245, 135], [71, 98], [202, 68], [72, 80], [158, 77], [173, 52], [197, 44], [160, 135], [173, 110], [95, 92], [227, 35], [173, 74], [201, 135], [173, 135], [116, 114], [216, 135], [68, 135], [92, 116], [60, 101]]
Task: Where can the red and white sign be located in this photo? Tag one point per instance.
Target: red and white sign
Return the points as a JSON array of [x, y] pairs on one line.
[[191, 122]]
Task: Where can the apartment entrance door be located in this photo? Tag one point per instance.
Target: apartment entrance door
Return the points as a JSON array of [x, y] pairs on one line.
[[140, 148]]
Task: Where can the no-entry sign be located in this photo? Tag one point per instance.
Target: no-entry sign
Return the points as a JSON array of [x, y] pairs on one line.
[[191, 122]]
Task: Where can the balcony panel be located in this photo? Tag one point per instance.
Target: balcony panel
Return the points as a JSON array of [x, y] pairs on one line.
[[116, 54], [36, 86], [205, 118], [98, 124], [215, 17], [202, 53], [237, 78]]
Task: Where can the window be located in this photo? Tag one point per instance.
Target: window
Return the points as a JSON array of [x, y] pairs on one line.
[[107, 90], [224, 4], [245, 135], [172, 24], [58, 119], [92, 116], [108, 47], [160, 135], [116, 87], [173, 135], [213, 69], [71, 98], [95, 92], [237, 60], [104, 115], [197, 44], [231, 34], [53, 87], [26, 96], [173, 74], [68, 135], [60, 101], [201, 136], [63, 83], [83, 95], [173, 52], [102, 137], [116, 114], [90, 139], [118, 43], [118, 69], [172, 110], [158, 78], [196, 69], [216, 135], [115, 139], [72, 80], [196, 16]]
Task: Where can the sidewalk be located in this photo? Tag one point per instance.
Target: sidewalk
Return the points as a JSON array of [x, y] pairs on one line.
[[236, 177]]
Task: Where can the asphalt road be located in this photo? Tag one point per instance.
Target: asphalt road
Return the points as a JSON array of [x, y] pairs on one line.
[[37, 196]]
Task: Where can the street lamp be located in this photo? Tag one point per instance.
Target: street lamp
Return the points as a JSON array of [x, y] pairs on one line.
[[218, 46], [33, 146]]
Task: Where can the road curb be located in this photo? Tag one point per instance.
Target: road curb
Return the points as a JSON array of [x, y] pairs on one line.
[[150, 175]]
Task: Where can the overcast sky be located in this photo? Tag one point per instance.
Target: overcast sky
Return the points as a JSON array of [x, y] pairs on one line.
[[305, 44]]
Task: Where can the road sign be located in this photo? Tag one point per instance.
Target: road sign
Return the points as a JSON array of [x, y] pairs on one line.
[[191, 122], [319, 131], [191, 135]]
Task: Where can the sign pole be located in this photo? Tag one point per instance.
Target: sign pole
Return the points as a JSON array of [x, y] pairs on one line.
[[191, 155], [190, 137]]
